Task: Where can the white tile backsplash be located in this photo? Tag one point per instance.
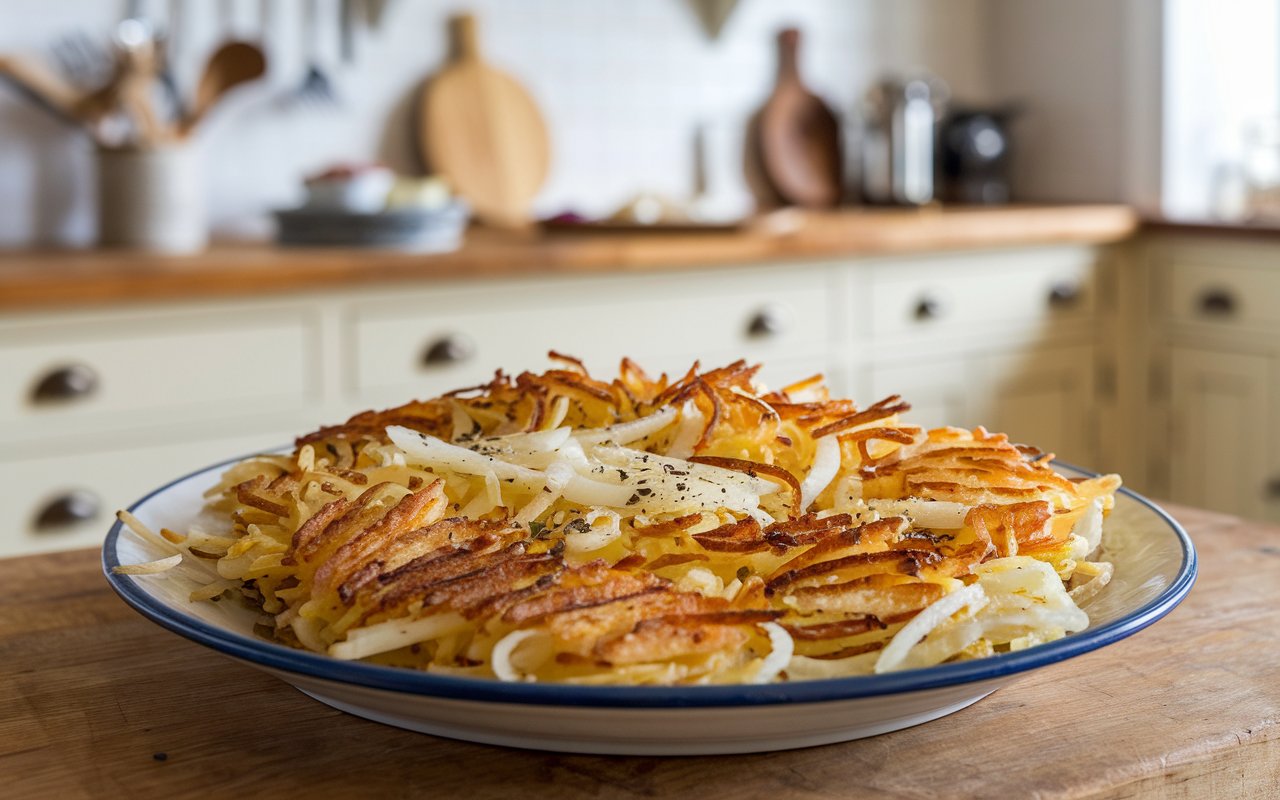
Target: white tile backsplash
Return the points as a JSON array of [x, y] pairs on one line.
[[622, 83]]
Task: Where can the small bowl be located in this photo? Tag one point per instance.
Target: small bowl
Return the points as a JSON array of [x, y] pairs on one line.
[[361, 191]]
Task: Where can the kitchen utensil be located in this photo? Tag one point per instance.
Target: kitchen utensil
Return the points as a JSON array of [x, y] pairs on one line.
[[230, 65], [374, 12], [1155, 567], [713, 14], [975, 148], [899, 140], [167, 43], [84, 61], [347, 20], [43, 87], [316, 86], [138, 72], [799, 136], [483, 133]]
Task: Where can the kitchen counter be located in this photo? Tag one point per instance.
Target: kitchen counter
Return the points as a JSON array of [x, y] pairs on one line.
[[1242, 230], [50, 279], [97, 701]]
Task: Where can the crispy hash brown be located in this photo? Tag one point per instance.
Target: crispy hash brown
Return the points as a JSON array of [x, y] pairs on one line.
[[557, 527]]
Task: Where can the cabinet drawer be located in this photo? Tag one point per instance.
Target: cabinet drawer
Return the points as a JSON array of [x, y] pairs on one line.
[[1223, 295], [77, 496], [97, 376], [443, 343], [966, 295]]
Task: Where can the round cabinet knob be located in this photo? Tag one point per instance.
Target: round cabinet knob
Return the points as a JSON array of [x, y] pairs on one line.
[[62, 384], [1064, 295], [928, 308], [1217, 303], [66, 510], [768, 322], [451, 349]]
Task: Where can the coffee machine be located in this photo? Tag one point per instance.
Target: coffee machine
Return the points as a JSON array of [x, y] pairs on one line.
[[975, 149]]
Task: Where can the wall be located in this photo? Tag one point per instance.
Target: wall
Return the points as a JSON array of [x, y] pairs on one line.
[[1087, 75], [623, 84]]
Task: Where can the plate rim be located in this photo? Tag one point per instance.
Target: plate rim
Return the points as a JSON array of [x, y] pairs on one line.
[[279, 658]]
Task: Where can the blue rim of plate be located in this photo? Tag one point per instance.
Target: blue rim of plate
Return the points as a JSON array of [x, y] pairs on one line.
[[398, 679]]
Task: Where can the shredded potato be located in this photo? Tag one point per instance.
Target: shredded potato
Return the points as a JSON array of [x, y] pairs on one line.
[[556, 527]]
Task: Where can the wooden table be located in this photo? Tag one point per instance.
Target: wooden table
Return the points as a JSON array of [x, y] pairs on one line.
[[96, 701]]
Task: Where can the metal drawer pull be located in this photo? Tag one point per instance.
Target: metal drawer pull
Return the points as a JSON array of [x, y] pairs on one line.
[[450, 349], [1064, 295], [1218, 303], [768, 321], [928, 308], [62, 512], [72, 382]]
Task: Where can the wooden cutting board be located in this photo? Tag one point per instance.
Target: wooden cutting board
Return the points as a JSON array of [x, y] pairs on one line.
[[482, 132], [799, 137]]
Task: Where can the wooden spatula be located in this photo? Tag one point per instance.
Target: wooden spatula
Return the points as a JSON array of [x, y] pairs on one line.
[[799, 136], [483, 133]]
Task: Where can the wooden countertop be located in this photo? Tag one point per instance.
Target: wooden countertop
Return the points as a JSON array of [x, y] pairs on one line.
[[44, 279], [1243, 230], [91, 694]]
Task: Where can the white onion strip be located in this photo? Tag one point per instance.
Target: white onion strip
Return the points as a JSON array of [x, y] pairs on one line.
[[931, 617], [394, 634], [826, 463], [690, 431], [500, 659], [779, 656], [595, 537], [1089, 527], [627, 432], [149, 567]]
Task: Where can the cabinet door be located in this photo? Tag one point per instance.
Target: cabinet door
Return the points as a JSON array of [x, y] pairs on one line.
[[939, 392], [1220, 438], [1042, 396]]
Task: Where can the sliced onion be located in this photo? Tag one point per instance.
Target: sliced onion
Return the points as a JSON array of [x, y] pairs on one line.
[[826, 463], [687, 435], [627, 432], [779, 656], [431, 451], [1089, 527], [395, 633], [596, 493], [921, 624], [558, 476], [149, 567], [500, 659], [597, 537], [924, 513]]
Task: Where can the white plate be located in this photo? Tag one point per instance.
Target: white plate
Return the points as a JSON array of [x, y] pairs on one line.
[[1155, 568]]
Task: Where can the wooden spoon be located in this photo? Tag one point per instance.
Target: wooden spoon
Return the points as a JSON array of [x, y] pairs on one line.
[[230, 65], [799, 136]]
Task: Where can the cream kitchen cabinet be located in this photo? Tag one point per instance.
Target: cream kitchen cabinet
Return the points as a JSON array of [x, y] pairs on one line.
[[101, 406], [1012, 340], [1215, 382], [1222, 421]]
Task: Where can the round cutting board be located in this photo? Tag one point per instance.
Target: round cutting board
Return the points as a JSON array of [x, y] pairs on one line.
[[483, 133]]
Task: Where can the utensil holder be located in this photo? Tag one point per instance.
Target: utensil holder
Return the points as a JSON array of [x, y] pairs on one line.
[[151, 199]]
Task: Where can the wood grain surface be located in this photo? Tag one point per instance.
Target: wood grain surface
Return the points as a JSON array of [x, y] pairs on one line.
[[799, 136], [31, 280], [95, 701], [483, 132]]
